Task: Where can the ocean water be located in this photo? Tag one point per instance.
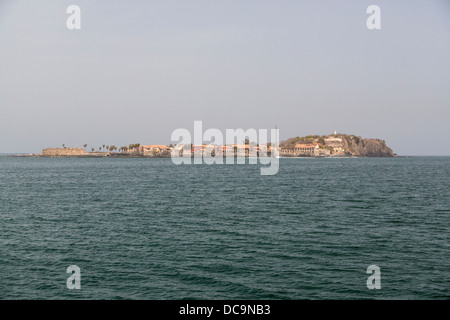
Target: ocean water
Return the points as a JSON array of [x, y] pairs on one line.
[[147, 229]]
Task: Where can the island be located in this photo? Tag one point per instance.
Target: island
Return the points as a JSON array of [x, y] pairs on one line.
[[333, 145]]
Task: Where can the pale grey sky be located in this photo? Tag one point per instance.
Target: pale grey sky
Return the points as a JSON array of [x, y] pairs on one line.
[[137, 70]]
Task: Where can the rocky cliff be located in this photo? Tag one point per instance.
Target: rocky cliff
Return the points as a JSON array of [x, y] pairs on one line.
[[358, 146]]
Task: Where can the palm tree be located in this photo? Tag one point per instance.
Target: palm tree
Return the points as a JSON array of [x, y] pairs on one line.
[[85, 147], [64, 146], [92, 149]]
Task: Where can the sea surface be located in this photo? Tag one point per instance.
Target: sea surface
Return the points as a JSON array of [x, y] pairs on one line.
[[148, 229]]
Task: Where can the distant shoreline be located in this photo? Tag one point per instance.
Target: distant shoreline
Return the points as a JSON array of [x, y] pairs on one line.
[[29, 155]]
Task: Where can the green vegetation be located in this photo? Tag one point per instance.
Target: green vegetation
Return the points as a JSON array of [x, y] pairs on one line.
[[291, 142]]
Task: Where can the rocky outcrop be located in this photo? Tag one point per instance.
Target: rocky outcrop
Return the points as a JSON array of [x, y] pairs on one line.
[[357, 146]]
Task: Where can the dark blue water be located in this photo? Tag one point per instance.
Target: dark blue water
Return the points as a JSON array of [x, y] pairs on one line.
[[147, 229]]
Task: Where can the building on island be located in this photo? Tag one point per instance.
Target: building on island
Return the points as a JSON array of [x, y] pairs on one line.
[[305, 149], [334, 142], [151, 150], [63, 152], [241, 150], [286, 151]]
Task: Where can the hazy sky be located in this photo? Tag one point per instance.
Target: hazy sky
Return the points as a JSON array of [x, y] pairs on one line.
[[137, 70]]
